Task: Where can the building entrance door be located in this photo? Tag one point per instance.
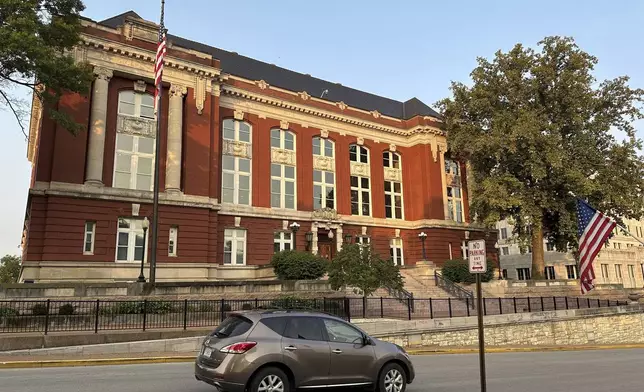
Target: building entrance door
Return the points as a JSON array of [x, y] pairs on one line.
[[326, 246]]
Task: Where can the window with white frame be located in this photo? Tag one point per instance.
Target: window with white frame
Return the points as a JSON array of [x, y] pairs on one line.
[[360, 196], [393, 189], [573, 271], [134, 154], [234, 247], [130, 240], [358, 154], [550, 272], [172, 241], [523, 273], [282, 139], [238, 131], [282, 240], [505, 251], [235, 180], [282, 186], [503, 233], [550, 247], [363, 240], [323, 147], [618, 272], [454, 191], [323, 189], [631, 271], [396, 251], [90, 234]]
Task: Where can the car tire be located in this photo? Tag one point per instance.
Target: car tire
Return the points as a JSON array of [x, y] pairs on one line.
[[270, 376], [392, 379]]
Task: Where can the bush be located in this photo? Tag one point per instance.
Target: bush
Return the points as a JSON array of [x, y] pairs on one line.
[[123, 308], [66, 310], [296, 265], [293, 302], [458, 271], [247, 306], [39, 310], [158, 307], [8, 312]]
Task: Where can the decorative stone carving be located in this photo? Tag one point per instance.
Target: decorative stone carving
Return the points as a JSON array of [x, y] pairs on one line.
[[239, 115], [284, 224], [360, 141], [237, 149], [304, 95], [136, 125], [304, 125], [364, 231], [284, 124], [216, 90], [103, 73], [326, 214], [392, 174], [324, 133], [397, 233], [140, 86], [342, 105], [80, 54], [178, 90], [237, 221], [262, 116], [360, 169], [135, 209], [392, 147], [286, 157], [375, 113], [262, 84], [323, 163], [437, 146], [200, 93]]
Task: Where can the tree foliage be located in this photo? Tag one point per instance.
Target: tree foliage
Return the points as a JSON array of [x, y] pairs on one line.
[[297, 265], [536, 126], [458, 271], [36, 37], [9, 269], [360, 267]]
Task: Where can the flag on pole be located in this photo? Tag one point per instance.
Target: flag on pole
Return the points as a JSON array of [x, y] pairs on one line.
[[593, 228], [158, 65]]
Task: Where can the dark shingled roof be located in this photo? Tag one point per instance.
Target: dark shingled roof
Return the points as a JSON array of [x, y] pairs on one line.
[[252, 69]]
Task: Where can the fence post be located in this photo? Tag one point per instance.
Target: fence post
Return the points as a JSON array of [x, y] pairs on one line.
[[542, 308], [47, 317], [449, 306], [554, 302], [529, 305], [500, 306], [145, 312], [566, 302], [347, 306], [98, 304], [221, 308], [484, 307], [467, 305], [588, 302], [382, 309], [599, 304], [514, 301], [431, 309], [185, 314], [578, 303], [364, 307], [408, 308]]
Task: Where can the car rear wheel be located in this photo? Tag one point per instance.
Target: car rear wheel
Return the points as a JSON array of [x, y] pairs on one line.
[[270, 380], [392, 379]]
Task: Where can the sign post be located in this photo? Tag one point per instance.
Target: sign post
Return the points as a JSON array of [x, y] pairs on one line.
[[478, 266]]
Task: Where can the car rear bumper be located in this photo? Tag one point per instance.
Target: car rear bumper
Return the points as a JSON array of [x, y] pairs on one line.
[[212, 377]]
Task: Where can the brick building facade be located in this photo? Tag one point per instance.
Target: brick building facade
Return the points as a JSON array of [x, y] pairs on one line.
[[247, 150]]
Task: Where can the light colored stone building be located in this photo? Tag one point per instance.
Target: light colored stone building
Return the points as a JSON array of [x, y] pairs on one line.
[[620, 262]]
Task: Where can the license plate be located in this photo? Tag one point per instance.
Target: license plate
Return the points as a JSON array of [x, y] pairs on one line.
[[207, 352]]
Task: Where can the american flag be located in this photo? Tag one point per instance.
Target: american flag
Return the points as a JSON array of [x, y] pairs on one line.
[[594, 228], [158, 65]]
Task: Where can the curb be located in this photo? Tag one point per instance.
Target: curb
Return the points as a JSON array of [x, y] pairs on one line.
[[531, 349], [92, 362]]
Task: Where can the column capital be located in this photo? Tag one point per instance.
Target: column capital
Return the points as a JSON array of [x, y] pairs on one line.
[[102, 73], [178, 90]]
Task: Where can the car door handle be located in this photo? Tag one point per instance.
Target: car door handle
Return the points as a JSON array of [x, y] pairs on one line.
[[290, 348], [336, 351]]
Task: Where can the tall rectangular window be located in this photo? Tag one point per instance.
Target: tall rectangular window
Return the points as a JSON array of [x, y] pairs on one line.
[[360, 196], [172, 241], [235, 180], [396, 251], [130, 240], [282, 240], [282, 186], [550, 247], [454, 191], [504, 233], [604, 269], [90, 234], [523, 273], [234, 247], [572, 271], [134, 162], [550, 272], [505, 251], [393, 200], [323, 189], [631, 271], [618, 272]]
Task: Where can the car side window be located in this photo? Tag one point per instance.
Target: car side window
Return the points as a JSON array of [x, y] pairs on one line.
[[277, 324], [305, 328], [340, 332]]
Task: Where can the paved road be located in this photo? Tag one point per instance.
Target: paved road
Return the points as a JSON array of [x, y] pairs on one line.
[[588, 371]]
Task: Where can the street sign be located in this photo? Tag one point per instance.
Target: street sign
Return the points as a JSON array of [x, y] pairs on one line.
[[476, 249]]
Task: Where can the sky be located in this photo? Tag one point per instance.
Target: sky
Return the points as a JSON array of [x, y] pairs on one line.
[[399, 49]]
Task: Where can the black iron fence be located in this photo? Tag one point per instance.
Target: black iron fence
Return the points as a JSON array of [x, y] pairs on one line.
[[103, 315]]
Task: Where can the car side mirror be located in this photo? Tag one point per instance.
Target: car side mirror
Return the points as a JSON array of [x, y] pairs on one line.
[[366, 341]]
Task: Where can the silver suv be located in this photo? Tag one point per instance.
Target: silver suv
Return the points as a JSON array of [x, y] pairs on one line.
[[281, 351]]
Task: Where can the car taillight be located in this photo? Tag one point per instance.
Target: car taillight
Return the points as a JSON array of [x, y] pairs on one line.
[[238, 348]]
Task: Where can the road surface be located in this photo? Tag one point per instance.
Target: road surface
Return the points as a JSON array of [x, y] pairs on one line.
[[588, 371]]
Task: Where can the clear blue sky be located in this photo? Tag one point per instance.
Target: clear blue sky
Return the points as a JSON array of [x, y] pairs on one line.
[[396, 49]]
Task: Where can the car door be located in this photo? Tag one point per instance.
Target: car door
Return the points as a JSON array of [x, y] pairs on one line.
[[306, 351], [352, 362]]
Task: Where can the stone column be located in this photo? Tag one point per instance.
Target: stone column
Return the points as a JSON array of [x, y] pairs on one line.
[[314, 242], [98, 116], [339, 238], [441, 153], [175, 131]]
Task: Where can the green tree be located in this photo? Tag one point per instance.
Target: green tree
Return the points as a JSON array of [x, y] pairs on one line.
[[360, 267], [36, 37], [9, 269], [536, 126], [297, 265]]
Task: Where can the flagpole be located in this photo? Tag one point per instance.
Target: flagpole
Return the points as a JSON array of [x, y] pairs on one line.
[[157, 162]]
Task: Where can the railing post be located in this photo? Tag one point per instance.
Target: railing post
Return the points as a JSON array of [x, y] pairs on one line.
[[467, 305], [47, 317], [500, 306], [529, 305], [542, 308], [96, 316], [449, 306], [431, 309], [256, 303], [566, 302], [588, 302], [347, 306], [514, 301], [599, 304], [409, 308], [364, 307], [145, 312], [382, 308], [484, 307], [221, 309], [578, 303], [185, 314], [554, 302]]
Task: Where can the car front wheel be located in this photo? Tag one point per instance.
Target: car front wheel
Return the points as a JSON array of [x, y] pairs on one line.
[[392, 379], [270, 380]]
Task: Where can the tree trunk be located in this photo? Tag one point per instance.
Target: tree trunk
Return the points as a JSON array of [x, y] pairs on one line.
[[538, 263]]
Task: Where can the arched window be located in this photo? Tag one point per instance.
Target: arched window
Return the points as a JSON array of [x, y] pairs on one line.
[[393, 185], [360, 184], [236, 169], [283, 188], [323, 173], [134, 152], [282, 139], [454, 191]]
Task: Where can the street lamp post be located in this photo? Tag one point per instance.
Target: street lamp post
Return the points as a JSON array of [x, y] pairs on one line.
[[294, 228], [146, 225], [423, 237], [309, 239]]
